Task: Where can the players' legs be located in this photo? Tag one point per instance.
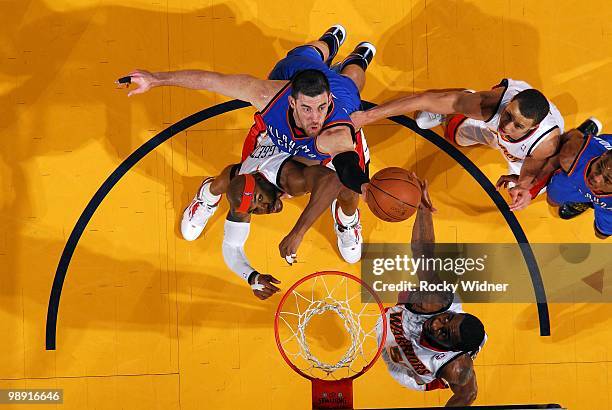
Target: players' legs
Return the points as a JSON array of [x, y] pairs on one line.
[[356, 63], [329, 43], [348, 201], [219, 184], [204, 204], [347, 225], [355, 73], [314, 55], [321, 47]]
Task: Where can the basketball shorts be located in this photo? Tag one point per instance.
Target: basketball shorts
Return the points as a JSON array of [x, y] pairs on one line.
[[266, 159], [307, 57]]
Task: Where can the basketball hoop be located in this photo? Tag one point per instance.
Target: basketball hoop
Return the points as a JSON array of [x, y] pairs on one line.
[[356, 310]]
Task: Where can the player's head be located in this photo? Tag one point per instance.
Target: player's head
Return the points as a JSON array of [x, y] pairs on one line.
[[253, 194], [599, 174], [523, 113], [310, 99], [454, 331]]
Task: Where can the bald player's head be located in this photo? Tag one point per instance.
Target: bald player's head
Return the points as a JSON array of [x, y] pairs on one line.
[[253, 194]]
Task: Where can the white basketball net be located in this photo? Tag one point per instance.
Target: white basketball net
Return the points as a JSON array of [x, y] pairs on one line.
[[341, 301]]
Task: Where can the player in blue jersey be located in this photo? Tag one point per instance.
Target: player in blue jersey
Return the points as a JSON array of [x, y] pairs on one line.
[[582, 176], [306, 107], [585, 178]]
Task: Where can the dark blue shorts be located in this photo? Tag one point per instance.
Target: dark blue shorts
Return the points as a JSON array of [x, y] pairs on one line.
[[307, 57]]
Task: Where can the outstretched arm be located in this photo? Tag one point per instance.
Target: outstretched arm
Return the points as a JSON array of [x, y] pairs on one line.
[[479, 105], [423, 237], [532, 172], [535, 162], [324, 186], [236, 233], [422, 244], [558, 152], [241, 86]]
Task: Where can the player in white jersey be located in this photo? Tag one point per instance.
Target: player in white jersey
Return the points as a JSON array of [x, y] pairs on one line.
[[256, 186], [512, 117], [431, 342]]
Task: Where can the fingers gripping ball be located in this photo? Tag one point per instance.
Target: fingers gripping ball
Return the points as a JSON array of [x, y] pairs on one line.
[[393, 194]]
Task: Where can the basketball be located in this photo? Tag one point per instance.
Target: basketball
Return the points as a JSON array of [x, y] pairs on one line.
[[393, 194]]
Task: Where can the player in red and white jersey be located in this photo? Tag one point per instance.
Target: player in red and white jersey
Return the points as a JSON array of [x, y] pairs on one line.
[[431, 342], [512, 117], [256, 186]]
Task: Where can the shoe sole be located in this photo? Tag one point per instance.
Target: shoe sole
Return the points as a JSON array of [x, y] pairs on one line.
[[369, 46], [343, 30], [598, 123]]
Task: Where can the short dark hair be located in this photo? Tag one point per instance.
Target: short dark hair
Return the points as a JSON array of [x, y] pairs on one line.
[[532, 104], [310, 83], [472, 333]]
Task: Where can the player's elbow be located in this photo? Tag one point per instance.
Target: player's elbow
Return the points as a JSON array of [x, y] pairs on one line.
[[470, 396], [464, 398]]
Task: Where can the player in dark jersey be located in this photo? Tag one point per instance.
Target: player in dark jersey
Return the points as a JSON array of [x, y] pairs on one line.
[[582, 176], [306, 107]]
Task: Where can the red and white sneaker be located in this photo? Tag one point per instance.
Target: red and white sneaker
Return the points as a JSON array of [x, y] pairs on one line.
[[349, 237], [197, 214]]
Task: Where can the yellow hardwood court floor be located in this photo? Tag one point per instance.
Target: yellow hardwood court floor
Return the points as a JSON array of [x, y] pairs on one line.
[[150, 321]]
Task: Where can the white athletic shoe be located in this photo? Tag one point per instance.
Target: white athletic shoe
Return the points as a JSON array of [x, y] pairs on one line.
[[428, 120], [349, 237], [196, 215]]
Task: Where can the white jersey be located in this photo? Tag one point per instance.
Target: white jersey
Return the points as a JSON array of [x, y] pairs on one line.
[[410, 362], [518, 150], [472, 131], [266, 159]]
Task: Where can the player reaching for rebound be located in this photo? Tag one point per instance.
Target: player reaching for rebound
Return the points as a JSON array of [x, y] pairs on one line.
[[431, 343], [582, 176], [305, 106], [254, 187], [512, 117]]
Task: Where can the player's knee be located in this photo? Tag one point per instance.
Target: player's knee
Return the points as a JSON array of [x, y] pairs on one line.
[[219, 185]]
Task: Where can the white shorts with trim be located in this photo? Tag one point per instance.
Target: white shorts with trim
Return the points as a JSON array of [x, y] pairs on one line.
[[266, 159]]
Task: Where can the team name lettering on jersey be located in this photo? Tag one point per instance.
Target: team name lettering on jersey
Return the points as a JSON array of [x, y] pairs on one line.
[[395, 322], [606, 144], [289, 145]]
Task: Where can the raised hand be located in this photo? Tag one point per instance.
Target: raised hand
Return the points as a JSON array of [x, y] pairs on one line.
[[505, 180], [425, 198], [263, 286], [289, 246], [143, 79]]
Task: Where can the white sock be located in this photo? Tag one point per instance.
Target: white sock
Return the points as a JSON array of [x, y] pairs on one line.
[[346, 220], [207, 197]]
